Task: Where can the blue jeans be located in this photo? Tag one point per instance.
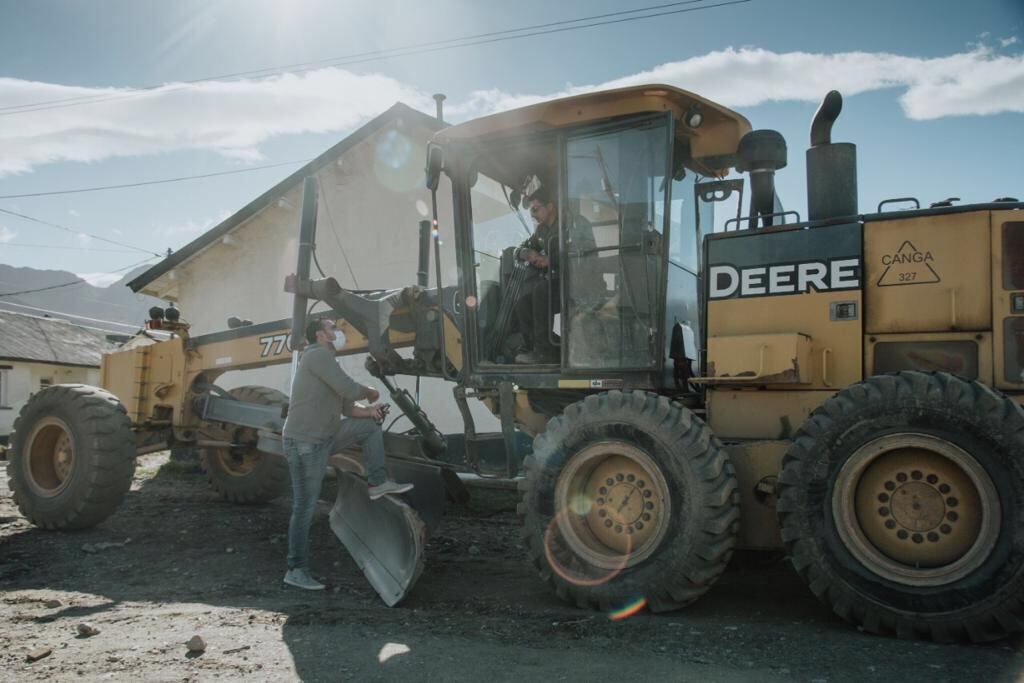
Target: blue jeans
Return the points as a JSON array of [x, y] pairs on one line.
[[307, 463]]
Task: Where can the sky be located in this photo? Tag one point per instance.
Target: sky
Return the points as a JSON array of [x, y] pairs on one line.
[[933, 89]]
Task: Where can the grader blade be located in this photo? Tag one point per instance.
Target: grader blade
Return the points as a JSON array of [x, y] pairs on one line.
[[386, 537]]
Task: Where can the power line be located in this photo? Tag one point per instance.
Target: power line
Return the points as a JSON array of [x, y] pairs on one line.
[[55, 246], [92, 299], [78, 232], [337, 239], [43, 289], [152, 182], [70, 315], [77, 281], [405, 51], [85, 327], [305, 66]]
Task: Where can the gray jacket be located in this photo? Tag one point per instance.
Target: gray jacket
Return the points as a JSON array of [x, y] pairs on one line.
[[321, 393]]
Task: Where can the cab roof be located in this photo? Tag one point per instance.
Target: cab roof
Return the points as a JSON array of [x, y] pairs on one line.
[[713, 143]]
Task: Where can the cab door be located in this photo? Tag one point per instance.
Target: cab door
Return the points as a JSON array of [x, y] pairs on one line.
[[614, 245]]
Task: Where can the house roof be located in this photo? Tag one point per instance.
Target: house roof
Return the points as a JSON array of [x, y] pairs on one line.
[[397, 111], [48, 340]]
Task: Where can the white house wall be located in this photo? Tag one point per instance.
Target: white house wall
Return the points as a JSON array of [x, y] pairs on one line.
[[371, 204], [25, 379]]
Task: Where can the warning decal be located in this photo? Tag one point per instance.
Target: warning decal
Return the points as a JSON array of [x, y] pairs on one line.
[[908, 266]]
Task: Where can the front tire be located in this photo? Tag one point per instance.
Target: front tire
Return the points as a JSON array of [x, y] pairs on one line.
[[902, 506], [72, 457], [244, 474], [628, 497]]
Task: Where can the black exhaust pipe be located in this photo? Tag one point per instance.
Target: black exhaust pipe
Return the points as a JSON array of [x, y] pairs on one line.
[[831, 166], [761, 153]]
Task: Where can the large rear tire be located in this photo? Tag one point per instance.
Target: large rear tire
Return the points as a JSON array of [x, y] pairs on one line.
[[244, 474], [72, 457], [629, 497], [902, 505]]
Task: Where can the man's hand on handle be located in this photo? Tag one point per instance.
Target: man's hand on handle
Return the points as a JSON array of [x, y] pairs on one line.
[[379, 412], [533, 257]]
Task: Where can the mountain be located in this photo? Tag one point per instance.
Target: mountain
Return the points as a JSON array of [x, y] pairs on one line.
[[115, 308]]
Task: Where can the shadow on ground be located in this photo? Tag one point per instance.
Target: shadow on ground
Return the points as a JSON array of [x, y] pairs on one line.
[[195, 564]]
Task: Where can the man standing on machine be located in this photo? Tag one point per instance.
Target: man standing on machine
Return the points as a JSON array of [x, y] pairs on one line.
[[313, 431]]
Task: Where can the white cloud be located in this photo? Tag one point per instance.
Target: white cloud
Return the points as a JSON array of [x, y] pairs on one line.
[[975, 82], [234, 118], [229, 117], [1007, 42], [6, 234], [72, 212], [100, 279]]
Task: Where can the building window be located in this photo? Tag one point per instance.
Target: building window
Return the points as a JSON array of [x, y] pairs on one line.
[[45, 382]]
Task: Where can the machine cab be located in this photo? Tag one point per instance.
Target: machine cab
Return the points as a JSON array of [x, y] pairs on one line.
[[577, 233]]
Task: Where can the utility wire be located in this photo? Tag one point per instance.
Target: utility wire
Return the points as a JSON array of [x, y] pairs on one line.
[[330, 220], [74, 282], [43, 289], [84, 327], [79, 232], [153, 182], [70, 315], [406, 51], [55, 246], [274, 70]]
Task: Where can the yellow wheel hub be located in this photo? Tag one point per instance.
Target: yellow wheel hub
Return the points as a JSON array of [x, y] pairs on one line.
[[50, 457], [238, 462], [613, 504], [917, 509]]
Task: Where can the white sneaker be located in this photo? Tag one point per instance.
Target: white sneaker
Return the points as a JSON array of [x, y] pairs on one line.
[[300, 578], [387, 488]]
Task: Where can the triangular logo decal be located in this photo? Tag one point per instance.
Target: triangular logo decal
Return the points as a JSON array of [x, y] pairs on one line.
[[908, 266]]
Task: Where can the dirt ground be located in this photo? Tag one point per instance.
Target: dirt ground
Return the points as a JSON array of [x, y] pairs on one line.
[[183, 563]]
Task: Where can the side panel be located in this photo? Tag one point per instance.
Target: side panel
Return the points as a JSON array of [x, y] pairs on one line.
[[752, 414], [966, 354], [118, 376], [795, 281], [1008, 299], [928, 274]]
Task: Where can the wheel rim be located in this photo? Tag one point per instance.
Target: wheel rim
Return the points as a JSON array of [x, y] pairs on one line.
[[916, 509], [614, 504], [238, 461], [51, 457]]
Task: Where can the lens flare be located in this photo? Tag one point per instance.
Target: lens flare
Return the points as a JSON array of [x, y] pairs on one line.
[[581, 505], [395, 164], [628, 610], [588, 574]]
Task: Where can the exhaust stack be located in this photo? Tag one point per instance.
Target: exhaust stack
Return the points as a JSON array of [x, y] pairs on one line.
[[439, 99], [831, 166]]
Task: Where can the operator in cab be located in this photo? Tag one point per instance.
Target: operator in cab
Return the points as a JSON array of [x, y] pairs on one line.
[[313, 431], [533, 312]]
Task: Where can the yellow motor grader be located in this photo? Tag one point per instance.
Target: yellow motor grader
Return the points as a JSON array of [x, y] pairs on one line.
[[846, 386]]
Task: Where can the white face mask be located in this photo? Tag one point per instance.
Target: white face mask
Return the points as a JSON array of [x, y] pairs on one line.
[[339, 340]]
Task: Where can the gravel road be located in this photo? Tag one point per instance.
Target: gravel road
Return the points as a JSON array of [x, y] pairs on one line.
[[175, 562]]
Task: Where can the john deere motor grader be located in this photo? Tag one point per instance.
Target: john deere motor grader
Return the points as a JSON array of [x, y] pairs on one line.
[[847, 387]]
